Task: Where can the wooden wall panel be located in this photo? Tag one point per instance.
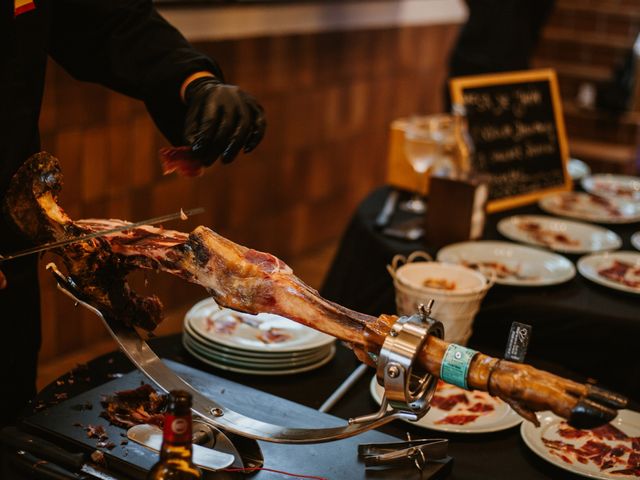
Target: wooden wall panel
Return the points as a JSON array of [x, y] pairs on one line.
[[329, 100]]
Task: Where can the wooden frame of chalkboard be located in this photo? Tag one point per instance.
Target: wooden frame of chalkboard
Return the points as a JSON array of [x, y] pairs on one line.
[[516, 124]]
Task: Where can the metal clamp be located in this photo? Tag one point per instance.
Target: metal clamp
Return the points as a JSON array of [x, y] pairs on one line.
[[236, 433], [407, 391]]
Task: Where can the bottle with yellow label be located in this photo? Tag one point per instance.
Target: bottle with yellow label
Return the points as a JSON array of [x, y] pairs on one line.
[[175, 456]]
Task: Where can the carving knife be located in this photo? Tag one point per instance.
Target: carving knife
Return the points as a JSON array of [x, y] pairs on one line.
[[37, 468], [31, 447], [102, 233]]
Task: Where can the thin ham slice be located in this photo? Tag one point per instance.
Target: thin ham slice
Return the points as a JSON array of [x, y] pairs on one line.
[[181, 160]]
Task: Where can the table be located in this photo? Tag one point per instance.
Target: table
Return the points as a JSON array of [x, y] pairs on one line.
[[485, 456], [591, 330], [569, 326]]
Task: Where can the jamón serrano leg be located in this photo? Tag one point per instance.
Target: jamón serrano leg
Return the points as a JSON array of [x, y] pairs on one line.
[[254, 282]]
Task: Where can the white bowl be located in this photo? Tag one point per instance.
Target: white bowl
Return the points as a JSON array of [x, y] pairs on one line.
[[465, 280], [455, 308], [456, 312]]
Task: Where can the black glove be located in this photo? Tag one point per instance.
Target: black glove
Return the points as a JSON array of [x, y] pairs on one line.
[[221, 120]]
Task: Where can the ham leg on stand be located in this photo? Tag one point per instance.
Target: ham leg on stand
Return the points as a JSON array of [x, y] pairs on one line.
[[250, 281]]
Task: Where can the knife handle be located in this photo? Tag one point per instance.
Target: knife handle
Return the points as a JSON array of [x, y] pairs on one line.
[[41, 469], [44, 449], [389, 207]]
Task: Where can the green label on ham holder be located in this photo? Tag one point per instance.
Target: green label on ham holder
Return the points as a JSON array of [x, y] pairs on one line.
[[455, 365]]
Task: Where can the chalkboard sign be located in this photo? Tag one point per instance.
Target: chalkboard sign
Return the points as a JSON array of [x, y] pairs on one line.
[[516, 124]]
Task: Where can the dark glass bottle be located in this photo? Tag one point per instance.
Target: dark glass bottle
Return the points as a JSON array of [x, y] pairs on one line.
[[175, 456]]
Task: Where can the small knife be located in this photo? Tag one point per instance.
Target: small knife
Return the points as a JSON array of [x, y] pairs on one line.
[[50, 452], [384, 217]]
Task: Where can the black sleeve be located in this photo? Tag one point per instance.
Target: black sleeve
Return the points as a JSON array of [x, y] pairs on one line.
[[127, 46], [498, 36]]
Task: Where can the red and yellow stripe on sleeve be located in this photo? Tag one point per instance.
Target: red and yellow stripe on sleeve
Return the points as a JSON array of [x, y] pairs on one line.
[[22, 6]]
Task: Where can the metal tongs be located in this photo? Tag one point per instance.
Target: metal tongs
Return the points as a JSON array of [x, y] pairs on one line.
[[419, 451]]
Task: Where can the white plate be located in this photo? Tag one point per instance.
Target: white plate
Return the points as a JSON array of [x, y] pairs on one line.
[[261, 362], [248, 355], [204, 315], [526, 266], [252, 362], [238, 355], [584, 238], [253, 371], [590, 266], [591, 207], [626, 421], [578, 169], [625, 187], [502, 418], [635, 240]]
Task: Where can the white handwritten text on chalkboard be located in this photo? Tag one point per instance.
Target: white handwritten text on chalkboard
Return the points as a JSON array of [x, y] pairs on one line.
[[514, 132]]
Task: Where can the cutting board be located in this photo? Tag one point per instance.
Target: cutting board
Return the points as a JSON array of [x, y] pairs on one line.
[[333, 460]]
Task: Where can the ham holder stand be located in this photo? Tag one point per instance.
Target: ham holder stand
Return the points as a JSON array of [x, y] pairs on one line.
[[407, 391]]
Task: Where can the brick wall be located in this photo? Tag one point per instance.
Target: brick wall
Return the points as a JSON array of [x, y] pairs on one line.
[[586, 41]]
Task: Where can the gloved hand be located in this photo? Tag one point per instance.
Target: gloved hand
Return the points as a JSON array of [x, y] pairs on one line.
[[221, 119]]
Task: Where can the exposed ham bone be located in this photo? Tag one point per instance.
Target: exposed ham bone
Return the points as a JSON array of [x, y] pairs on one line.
[[235, 276], [251, 281]]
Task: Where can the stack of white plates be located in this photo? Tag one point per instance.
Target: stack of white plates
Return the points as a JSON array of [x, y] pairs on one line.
[[261, 344]]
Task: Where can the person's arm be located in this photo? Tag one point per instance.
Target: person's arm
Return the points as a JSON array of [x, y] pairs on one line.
[[127, 46]]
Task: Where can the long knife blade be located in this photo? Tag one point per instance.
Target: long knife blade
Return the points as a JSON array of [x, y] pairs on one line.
[[103, 233]]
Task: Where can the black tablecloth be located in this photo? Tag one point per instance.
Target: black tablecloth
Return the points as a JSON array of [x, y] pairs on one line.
[[492, 456], [587, 328], [580, 329]]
